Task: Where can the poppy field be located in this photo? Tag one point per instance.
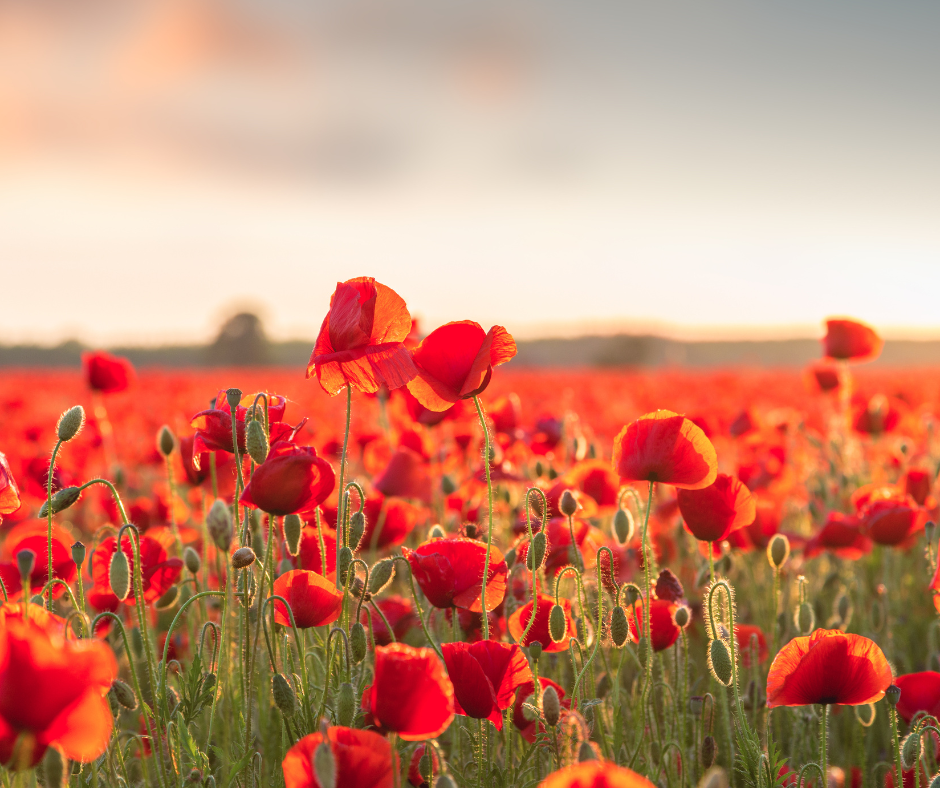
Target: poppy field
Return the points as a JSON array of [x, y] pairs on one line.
[[412, 563]]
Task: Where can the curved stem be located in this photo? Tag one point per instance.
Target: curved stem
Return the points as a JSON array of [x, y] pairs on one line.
[[489, 515], [341, 504]]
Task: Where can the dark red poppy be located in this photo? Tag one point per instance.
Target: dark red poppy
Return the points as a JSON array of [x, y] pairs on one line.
[[506, 415], [32, 535], [450, 573], [485, 676], [745, 422], [362, 759], [406, 476], [106, 373], [665, 447], [361, 340], [400, 614], [52, 692], [313, 599], [891, 516], [825, 376], [743, 634], [197, 468], [539, 632], [9, 494], [842, 535], [829, 666], [713, 512], [158, 572], [456, 361], [292, 480], [917, 484], [595, 774], [411, 693], [214, 426], [663, 629], [414, 767], [876, 415], [426, 416], [527, 728], [849, 340], [919, 692]]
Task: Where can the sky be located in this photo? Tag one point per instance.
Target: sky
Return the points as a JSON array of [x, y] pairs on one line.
[[698, 170]]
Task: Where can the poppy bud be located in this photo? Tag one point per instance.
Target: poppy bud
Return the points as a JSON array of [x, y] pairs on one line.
[[778, 550], [631, 594], [357, 642], [55, 769], [324, 764], [843, 610], [284, 697], [119, 575], [78, 554], [26, 562], [586, 753], [166, 441], [345, 704], [568, 504], [643, 650], [448, 486], [243, 557], [935, 782], [436, 532], [61, 501], [551, 706], [557, 626], [536, 554], [510, 557], [535, 650], [195, 777], [708, 751], [720, 661], [805, 618], [70, 423], [696, 705], [192, 560], [233, 397], [137, 642], [893, 694], [381, 575], [343, 560], [619, 628], [682, 616], [669, 587], [256, 442], [357, 527], [446, 781], [168, 599], [219, 524], [911, 749], [624, 526], [293, 533], [124, 694]]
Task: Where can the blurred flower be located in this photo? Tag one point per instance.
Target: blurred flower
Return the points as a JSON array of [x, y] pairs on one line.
[[9, 494], [712, 513], [106, 373], [362, 759], [595, 774], [849, 340], [158, 572]]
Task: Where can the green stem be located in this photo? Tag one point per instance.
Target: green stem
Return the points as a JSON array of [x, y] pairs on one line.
[[823, 742], [55, 452], [489, 515], [341, 504]]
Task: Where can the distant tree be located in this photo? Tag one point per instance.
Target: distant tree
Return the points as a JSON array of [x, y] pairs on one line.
[[241, 342]]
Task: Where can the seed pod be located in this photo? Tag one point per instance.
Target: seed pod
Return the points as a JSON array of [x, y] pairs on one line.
[[720, 661], [708, 751], [551, 706], [557, 626], [568, 504], [669, 587], [119, 575], [357, 642], [893, 694], [343, 560], [778, 550], [25, 562], [805, 619], [61, 500], [124, 694], [55, 768], [233, 397], [436, 532], [166, 441], [219, 524], [293, 533], [586, 752], [935, 781], [536, 554], [284, 697], [256, 442], [471, 531], [70, 423], [192, 560], [643, 650], [624, 526], [682, 616], [357, 527], [324, 764], [345, 704], [631, 594], [619, 628], [381, 575], [911, 749], [243, 557]]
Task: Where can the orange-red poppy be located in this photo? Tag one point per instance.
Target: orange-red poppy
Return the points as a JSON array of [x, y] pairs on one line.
[[849, 340], [158, 571], [919, 692], [663, 629], [595, 774], [743, 634], [918, 483], [406, 476], [107, 373], [841, 535], [313, 599], [214, 426], [450, 573], [456, 361], [527, 728], [362, 759], [33, 535], [411, 693], [485, 676], [400, 614], [665, 447], [830, 667], [539, 632], [891, 516], [9, 493], [292, 480], [414, 767], [361, 340], [713, 512]]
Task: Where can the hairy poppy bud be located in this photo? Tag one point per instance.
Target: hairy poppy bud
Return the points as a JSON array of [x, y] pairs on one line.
[[219, 524], [324, 764], [357, 527], [119, 575], [696, 705], [778, 550], [61, 501], [243, 557], [256, 442], [708, 751], [293, 533], [535, 650], [166, 441], [357, 642], [619, 628], [345, 704], [26, 562], [536, 554], [911, 749], [192, 560], [448, 486], [55, 769], [586, 752], [343, 560], [557, 625], [720, 661], [445, 781], [624, 526], [551, 706], [893, 694], [124, 694], [233, 397], [935, 781], [381, 575], [682, 616], [284, 697], [510, 557], [805, 618], [631, 594], [169, 598], [70, 423], [568, 504], [78, 554], [643, 650], [436, 532], [669, 587]]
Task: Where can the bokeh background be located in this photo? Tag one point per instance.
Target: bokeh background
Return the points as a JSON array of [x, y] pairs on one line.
[[694, 171]]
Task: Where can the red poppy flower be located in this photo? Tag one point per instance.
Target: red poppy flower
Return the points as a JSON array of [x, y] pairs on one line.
[[663, 630], [456, 361], [214, 426], [400, 614], [919, 692], [539, 632], [106, 373], [450, 573], [876, 415], [595, 774], [363, 759], [309, 556], [196, 468], [361, 340], [841, 535], [426, 416], [291, 480], [9, 494], [388, 520], [595, 485], [411, 693], [825, 376], [742, 636], [917, 484], [851, 340], [891, 516], [158, 573], [485, 676], [32, 535], [414, 770], [529, 729], [471, 624], [313, 599], [406, 475], [829, 666], [665, 447], [713, 512], [52, 693]]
